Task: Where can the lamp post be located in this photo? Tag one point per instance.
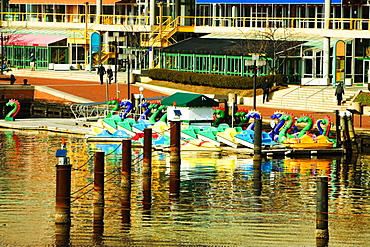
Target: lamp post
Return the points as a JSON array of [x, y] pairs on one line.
[[127, 60], [115, 65], [254, 63], [2, 54], [141, 89], [254, 58]]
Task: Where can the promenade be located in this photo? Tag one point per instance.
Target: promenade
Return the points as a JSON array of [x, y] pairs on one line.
[[84, 86]]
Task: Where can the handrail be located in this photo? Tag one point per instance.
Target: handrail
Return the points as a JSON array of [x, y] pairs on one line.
[[322, 97], [297, 88], [209, 21]]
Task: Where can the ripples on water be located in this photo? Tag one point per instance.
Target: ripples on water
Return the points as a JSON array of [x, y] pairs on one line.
[[222, 201]]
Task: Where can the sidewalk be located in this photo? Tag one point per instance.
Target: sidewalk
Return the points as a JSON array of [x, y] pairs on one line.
[[84, 86]]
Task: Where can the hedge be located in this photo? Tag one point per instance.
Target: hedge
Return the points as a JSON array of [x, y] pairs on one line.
[[213, 80]]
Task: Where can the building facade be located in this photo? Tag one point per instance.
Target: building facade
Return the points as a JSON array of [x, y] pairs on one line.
[[331, 37]]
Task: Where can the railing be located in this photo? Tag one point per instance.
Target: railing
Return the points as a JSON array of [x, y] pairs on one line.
[[164, 31], [198, 21], [291, 91], [315, 93], [89, 111]]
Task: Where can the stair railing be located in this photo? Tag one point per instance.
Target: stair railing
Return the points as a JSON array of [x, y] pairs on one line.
[[291, 91], [322, 90]]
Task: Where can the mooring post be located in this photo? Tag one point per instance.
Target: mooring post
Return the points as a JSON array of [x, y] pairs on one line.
[[126, 163], [322, 206], [338, 128], [99, 178], [63, 187], [175, 160], [175, 127], [257, 138], [147, 150], [126, 182]]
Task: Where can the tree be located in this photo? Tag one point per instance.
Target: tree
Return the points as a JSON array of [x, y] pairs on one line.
[[273, 44]]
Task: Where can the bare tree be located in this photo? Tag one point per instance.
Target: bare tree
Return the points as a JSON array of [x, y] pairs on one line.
[[272, 44]]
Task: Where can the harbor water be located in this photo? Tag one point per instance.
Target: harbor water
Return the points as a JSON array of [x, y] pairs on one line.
[[220, 201]]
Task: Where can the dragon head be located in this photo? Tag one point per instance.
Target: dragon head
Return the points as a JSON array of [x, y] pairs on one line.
[[305, 118], [277, 115], [254, 114]]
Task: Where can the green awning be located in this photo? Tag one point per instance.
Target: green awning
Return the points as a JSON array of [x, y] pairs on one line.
[[189, 100]]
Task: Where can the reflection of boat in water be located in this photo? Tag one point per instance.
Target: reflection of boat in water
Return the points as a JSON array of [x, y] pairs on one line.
[[308, 166]]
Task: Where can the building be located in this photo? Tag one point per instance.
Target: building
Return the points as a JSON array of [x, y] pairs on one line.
[[330, 37]]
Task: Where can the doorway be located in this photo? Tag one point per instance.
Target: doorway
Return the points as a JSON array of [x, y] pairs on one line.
[[366, 72]]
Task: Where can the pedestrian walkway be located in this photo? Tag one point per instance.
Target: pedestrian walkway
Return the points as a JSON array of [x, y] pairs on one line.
[[84, 86]]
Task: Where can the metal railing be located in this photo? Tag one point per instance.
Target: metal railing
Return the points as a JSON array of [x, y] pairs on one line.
[[315, 93], [199, 21], [294, 89]]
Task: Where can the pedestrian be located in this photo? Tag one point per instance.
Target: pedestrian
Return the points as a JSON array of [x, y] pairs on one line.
[[101, 73], [32, 62], [266, 87], [339, 91], [110, 74]]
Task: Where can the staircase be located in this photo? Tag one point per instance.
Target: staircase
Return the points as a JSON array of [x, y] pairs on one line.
[[162, 35], [310, 98]]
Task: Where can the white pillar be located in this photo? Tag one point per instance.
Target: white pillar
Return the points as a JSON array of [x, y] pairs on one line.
[[151, 58], [152, 13], [327, 12], [326, 59], [98, 11]]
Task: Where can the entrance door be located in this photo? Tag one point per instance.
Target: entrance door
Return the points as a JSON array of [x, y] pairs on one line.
[[366, 73]]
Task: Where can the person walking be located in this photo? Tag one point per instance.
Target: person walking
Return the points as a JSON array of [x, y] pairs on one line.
[[339, 91], [32, 62], [101, 73], [266, 87], [110, 74]]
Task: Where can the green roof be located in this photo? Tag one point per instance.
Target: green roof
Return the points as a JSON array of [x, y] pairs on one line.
[[189, 100]]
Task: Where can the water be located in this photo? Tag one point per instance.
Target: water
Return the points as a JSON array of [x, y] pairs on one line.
[[221, 201]]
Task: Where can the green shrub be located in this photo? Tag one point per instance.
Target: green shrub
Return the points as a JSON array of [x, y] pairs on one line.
[[213, 80]]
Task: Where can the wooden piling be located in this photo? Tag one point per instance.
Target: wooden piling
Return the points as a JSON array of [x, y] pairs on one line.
[[99, 177], [126, 163], [126, 182], [175, 127], [338, 128], [322, 206], [346, 142], [147, 150], [175, 160], [63, 195], [257, 138]]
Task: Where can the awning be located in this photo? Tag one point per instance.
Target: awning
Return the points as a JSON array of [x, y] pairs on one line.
[[231, 47], [63, 2], [189, 100], [34, 39]]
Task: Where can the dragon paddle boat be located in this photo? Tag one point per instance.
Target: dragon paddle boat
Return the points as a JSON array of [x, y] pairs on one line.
[[304, 139]]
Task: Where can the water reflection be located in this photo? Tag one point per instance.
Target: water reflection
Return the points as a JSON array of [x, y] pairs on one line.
[[220, 201]]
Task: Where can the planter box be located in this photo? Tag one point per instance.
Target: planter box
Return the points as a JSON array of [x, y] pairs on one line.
[[366, 110]]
